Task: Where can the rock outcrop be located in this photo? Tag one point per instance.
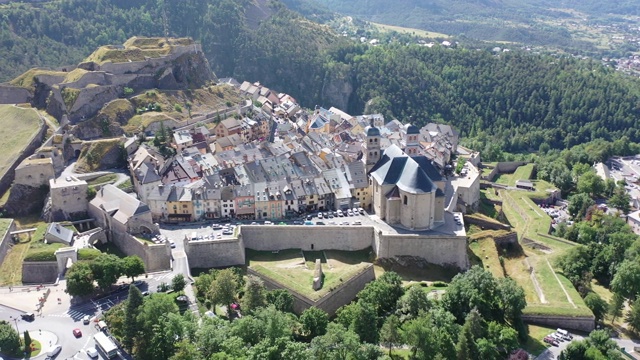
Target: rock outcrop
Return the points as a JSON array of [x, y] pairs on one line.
[[24, 200], [141, 63]]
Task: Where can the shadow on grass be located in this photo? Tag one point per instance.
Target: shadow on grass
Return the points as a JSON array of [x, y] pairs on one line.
[[420, 270], [282, 255], [351, 257]]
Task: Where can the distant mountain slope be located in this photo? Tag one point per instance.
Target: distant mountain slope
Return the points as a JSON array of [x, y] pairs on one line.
[[493, 20]]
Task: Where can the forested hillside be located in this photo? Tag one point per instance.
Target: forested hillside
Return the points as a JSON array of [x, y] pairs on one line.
[[512, 101], [521, 100]]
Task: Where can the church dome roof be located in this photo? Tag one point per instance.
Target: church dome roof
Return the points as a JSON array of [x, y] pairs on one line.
[[372, 131], [412, 129]]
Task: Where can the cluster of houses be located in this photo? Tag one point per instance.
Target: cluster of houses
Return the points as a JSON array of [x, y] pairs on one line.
[[277, 161]]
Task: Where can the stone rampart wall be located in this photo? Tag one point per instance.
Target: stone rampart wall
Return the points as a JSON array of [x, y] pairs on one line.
[[34, 143], [137, 66], [39, 272], [331, 302], [509, 166], [214, 253], [441, 250], [346, 292], [581, 323], [5, 240], [485, 224], [14, 95], [156, 257], [92, 77], [268, 238]]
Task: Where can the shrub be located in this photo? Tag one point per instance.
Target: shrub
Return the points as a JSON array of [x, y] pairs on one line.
[[440, 284], [177, 108]]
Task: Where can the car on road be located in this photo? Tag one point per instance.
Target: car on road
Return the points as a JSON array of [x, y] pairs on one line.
[[145, 293], [54, 351], [28, 316], [182, 298], [172, 243], [550, 340], [92, 352], [86, 319], [77, 333]]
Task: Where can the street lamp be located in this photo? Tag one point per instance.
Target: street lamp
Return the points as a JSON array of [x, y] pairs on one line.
[[15, 320]]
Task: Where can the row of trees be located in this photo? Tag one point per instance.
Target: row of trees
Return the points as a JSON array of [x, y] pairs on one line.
[[105, 270], [478, 317]]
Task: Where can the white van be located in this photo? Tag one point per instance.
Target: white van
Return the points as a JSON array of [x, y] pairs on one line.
[[54, 351], [564, 333], [102, 325]]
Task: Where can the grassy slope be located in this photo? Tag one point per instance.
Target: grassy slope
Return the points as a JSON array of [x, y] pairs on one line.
[[17, 127]]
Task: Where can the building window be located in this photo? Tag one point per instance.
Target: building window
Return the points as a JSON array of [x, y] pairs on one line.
[[405, 200]]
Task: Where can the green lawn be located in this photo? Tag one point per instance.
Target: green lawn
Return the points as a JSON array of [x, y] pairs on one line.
[[288, 268], [485, 250], [104, 179], [17, 128], [530, 221]]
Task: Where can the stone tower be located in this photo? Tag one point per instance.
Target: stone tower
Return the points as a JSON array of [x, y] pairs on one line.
[[373, 152], [411, 140]]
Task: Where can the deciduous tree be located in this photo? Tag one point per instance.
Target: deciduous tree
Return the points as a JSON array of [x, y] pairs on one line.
[[178, 283], [79, 279], [314, 322], [132, 266], [223, 289]]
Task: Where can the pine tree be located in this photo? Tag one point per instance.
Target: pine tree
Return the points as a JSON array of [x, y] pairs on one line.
[[131, 326]]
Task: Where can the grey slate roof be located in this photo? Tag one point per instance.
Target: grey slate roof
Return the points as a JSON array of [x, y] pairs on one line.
[[409, 175]]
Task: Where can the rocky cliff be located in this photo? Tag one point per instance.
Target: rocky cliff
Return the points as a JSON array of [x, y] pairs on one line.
[[112, 72], [25, 200]]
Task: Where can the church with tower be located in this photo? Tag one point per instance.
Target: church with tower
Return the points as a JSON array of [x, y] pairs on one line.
[[407, 189]]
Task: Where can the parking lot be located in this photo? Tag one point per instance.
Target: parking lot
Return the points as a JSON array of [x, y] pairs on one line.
[[219, 231]]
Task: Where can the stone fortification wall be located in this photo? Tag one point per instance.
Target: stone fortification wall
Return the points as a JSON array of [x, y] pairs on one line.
[[39, 272], [441, 250], [214, 253], [346, 292], [330, 303], [485, 224], [5, 240], [510, 238], [92, 77], [90, 101], [14, 95], [580, 323], [138, 66], [34, 143], [156, 257], [509, 166], [325, 237]]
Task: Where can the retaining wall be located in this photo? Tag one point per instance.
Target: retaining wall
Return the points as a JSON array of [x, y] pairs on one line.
[[331, 302], [580, 323], [34, 143], [440, 250], [268, 238], [485, 224], [14, 95], [156, 257], [5, 240], [214, 253], [510, 238], [39, 272]]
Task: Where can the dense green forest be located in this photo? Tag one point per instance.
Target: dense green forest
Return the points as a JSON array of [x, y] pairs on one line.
[[478, 317], [512, 102]]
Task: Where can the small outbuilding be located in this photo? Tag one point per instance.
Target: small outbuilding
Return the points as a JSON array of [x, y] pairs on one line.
[[525, 184], [57, 233]]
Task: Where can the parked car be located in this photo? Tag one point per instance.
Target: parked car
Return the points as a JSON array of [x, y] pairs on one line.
[[357, 223], [340, 213], [551, 341], [54, 351], [361, 211], [172, 243], [349, 212], [320, 216], [92, 352]]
